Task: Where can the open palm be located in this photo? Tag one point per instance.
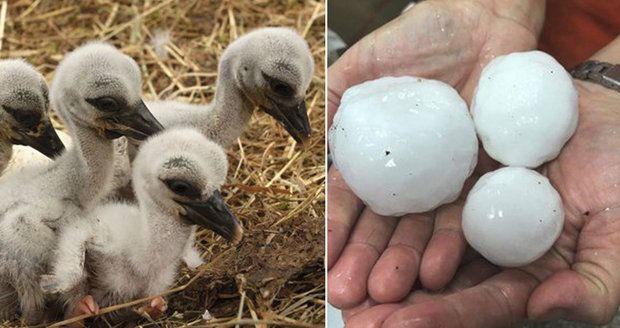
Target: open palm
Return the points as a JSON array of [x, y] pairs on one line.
[[578, 279], [378, 258]]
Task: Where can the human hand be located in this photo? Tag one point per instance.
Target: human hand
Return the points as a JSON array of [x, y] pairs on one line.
[[380, 257], [578, 279]]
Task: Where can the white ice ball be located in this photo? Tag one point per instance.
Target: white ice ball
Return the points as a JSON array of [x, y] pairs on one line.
[[524, 108], [403, 144], [512, 216]]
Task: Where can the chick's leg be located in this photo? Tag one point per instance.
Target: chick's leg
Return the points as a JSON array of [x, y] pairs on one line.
[[87, 305], [156, 308]]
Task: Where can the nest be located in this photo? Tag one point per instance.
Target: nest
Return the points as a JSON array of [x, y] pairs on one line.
[[275, 276]]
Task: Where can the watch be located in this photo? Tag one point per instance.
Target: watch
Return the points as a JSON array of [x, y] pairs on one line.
[[605, 74]]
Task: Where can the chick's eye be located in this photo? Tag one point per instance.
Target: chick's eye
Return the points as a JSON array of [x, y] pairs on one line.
[[104, 104], [282, 90], [183, 188], [279, 87], [27, 119]]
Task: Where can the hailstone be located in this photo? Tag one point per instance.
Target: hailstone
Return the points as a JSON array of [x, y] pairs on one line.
[[524, 108], [512, 216], [403, 144]]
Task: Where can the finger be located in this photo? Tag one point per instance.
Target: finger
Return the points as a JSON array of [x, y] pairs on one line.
[[352, 68], [445, 249], [590, 290], [342, 212], [349, 276], [421, 296], [396, 270], [503, 298], [567, 295], [345, 73], [348, 313], [471, 274], [373, 317], [333, 94]]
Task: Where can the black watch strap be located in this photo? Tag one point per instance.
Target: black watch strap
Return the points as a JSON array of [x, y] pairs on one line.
[[605, 74]]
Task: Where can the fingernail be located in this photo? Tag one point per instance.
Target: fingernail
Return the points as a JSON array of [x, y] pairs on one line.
[[552, 314]]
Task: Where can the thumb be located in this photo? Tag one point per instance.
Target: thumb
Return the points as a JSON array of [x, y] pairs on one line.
[[568, 295], [350, 69], [590, 290]]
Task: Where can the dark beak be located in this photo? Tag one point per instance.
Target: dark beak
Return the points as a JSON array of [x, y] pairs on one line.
[[294, 119], [46, 140], [214, 215], [136, 122]]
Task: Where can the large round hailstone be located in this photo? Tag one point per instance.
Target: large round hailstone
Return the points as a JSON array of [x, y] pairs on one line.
[[524, 108], [403, 144], [512, 216]]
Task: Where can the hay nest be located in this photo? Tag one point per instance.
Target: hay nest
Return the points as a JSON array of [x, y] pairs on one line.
[[276, 275]]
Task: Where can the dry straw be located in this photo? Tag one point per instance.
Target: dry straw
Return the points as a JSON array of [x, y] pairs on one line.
[[275, 276]]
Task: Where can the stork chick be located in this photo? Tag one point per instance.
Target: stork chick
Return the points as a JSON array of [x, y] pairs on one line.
[[269, 68], [24, 116], [134, 251], [96, 90]]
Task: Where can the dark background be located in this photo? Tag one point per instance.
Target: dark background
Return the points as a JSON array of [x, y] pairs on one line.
[[352, 19]]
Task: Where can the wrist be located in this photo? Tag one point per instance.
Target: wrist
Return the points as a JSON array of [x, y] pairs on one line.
[[610, 53]]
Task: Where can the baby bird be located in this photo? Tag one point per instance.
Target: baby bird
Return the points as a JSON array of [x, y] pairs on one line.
[[124, 252], [24, 116], [96, 90], [269, 68]]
